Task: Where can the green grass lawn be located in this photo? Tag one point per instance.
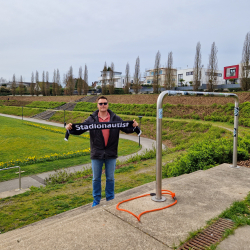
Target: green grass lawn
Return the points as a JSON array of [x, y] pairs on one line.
[[19, 141]]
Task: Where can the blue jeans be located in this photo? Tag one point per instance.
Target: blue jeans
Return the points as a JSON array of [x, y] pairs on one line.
[[110, 165]]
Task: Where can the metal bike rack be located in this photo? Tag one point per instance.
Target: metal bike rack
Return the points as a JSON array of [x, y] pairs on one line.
[[1, 169], [158, 196]]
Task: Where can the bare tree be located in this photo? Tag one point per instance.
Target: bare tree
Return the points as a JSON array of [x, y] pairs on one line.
[[43, 90], [37, 87], [111, 77], [169, 81], [85, 81], [70, 84], [104, 79], [212, 68], [13, 85], [21, 86], [157, 77], [126, 85], [58, 83], [47, 89], [54, 83], [80, 82], [2, 80], [137, 76], [32, 84], [245, 64], [197, 68]]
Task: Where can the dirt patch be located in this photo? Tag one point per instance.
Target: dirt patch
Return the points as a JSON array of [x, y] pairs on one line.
[[43, 98], [140, 99], [168, 143], [244, 163], [185, 100]]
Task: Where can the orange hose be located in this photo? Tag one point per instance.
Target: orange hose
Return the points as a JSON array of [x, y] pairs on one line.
[[157, 209]]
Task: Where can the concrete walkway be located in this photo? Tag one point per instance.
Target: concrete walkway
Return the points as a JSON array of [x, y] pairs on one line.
[[10, 188], [201, 195]]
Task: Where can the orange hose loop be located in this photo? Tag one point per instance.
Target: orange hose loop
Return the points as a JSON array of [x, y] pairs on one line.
[[148, 211]]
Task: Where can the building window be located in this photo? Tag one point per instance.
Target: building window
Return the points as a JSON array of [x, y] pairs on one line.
[[231, 72], [148, 81], [152, 73], [180, 76], [189, 73], [160, 72]]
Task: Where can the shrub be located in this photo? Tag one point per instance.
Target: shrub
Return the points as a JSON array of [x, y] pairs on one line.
[[206, 154]]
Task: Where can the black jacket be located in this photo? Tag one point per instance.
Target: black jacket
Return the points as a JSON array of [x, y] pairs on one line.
[[97, 145]]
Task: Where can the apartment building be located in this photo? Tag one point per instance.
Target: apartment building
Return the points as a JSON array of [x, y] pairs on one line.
[[185, 77]]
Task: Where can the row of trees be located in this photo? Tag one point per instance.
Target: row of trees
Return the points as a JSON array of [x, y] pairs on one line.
[[169, 75], [108, 76], [54, 88], [80, 83], [211, 77]]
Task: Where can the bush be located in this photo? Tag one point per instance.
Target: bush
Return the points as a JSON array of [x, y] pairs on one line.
[[206, 154]]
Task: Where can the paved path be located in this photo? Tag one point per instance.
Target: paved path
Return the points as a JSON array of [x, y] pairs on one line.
[[10, 188]]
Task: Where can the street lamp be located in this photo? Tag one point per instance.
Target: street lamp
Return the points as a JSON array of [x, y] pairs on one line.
[[139, 116]]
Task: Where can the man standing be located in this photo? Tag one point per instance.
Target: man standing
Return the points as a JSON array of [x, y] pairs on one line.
[[104, 144]]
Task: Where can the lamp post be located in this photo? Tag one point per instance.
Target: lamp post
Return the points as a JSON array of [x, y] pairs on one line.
[[64, 119], [139, 116]]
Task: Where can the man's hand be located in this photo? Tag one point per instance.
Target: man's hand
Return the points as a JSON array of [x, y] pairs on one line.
[[69, 126], [135, 124]]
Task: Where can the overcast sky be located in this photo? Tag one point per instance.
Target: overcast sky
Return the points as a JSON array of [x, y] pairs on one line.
[[44, 35]]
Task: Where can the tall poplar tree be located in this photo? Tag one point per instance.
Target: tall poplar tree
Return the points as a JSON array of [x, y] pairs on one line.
[[245, 64]]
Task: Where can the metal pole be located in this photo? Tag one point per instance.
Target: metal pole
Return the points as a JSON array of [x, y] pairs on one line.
[[64, 118], [158, 196], [235, 133], [19, 178]]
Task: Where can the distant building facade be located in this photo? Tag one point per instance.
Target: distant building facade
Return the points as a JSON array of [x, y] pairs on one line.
[[118, 78], [185, 76]]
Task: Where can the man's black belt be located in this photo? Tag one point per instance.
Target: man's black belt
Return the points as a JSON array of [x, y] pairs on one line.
[[79, 128]]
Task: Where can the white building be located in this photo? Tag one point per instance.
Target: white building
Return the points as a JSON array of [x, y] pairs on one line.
[[119, 79], [187, 76]]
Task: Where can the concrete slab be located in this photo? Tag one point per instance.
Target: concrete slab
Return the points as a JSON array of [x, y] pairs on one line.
[[95, 229], [239, 241], [201, 196]]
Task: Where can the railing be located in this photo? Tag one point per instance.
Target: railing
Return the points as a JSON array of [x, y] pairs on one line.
[[1, 169], [159, 196]]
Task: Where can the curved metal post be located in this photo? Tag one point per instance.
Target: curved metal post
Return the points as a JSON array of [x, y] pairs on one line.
[[158, 196]]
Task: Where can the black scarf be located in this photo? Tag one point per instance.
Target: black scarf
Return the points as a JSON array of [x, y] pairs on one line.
[[79, 128]]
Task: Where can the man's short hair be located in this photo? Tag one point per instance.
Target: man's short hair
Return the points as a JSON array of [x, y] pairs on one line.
[[102, 97]]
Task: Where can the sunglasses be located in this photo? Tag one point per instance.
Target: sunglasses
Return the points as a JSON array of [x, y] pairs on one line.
[[102, 103]]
